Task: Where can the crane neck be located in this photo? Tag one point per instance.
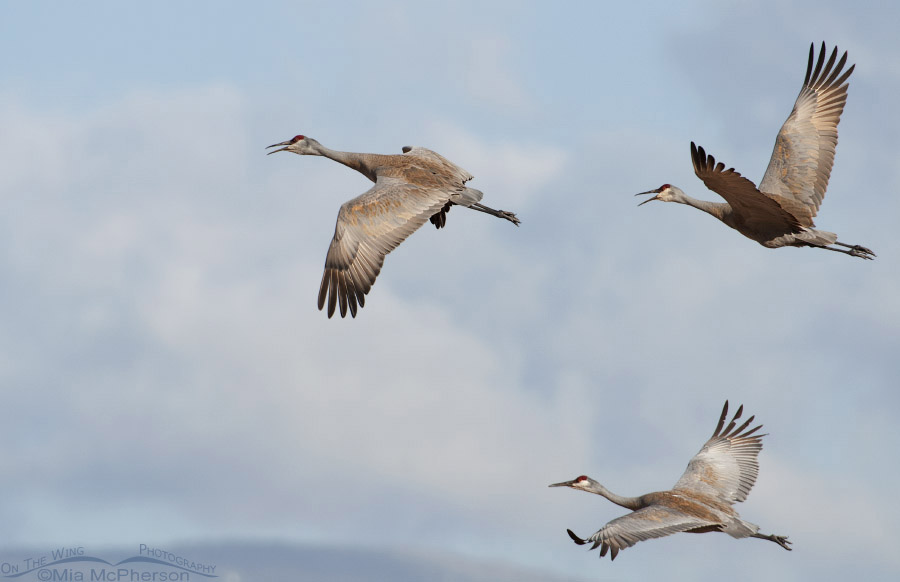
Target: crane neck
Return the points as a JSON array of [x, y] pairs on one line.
[[631, 503], [365, 164], [721, 210]]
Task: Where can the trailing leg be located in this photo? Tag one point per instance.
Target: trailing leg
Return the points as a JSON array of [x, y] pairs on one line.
[[855, 250], [499, 213], [780, 540], [858, 248]]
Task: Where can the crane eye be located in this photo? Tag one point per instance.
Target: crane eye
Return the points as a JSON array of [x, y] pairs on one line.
[[297, 138]]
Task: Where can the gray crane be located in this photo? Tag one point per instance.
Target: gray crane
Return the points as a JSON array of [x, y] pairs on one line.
[[780, 212], [721, 474], [410, 188]]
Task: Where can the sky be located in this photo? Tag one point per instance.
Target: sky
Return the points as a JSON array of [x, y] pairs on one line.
[[165, 374]]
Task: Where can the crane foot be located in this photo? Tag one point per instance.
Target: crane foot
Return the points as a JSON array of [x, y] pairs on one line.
[[862, 252], [782, 541], [510, 217]]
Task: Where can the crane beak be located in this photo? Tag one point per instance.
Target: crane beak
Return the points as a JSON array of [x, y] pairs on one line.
[[563, 484], [275, 145], [648, 199]]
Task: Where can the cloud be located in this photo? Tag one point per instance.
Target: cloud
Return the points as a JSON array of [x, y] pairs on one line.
[[522, 169], [201, 369], [488, 74], [164, 358], [185, 362]]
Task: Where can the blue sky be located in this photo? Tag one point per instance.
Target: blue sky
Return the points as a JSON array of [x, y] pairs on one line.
[[166, 375]]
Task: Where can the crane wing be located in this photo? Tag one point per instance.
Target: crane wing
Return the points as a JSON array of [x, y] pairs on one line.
[[804, 149], [655, 521], [368, 228], [431, 160], [753, 210], [726, 467]]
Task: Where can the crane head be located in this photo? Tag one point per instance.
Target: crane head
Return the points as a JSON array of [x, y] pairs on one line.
[[581, 482], [299, 144], [665, 193]]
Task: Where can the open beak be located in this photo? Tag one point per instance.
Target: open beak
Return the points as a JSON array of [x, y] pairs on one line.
[[275, 145], [563, 484], [648, 199]]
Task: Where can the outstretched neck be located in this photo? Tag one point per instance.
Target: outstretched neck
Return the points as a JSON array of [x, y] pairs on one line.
[[721, 210], [365, 164], [632, 503]]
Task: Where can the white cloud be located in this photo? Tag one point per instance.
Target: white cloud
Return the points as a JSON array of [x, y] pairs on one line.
[[515, 172], [489, 75], [161, 346], [228, 371]]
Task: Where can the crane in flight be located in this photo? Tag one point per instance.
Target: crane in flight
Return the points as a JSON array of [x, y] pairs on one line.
[[780, 212], [410, 188], [721, 474]]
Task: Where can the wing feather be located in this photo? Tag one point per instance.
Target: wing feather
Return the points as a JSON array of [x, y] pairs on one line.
[[432, 159], [368, 228], [753, 211], [726, 467], [803, 155], [655, 521]]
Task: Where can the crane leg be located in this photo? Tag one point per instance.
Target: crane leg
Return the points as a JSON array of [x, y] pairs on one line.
[[780, 540], [499, 213], [855, 250], [858, 248]]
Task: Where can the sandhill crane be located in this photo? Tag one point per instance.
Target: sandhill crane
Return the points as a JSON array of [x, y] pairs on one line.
[[721, 474], [410, 188], [780, 212]]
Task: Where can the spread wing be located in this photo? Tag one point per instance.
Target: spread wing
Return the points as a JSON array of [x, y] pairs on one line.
[[368, 228], [756, 211], [655, 521], [726, 466], [804, 149]]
